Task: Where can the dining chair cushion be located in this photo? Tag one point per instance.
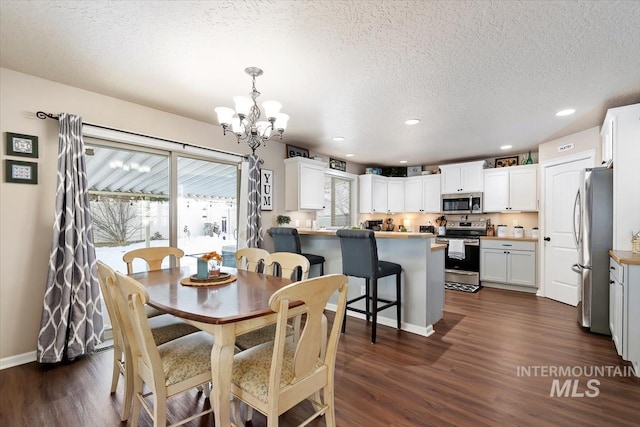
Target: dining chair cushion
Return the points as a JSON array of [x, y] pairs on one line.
[[166, 327], [259, 336], [251, 369], [186, 357], [152, 312]]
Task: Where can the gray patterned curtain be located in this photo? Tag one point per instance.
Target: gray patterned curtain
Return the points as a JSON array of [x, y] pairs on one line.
[[254, 221], [71, 322]]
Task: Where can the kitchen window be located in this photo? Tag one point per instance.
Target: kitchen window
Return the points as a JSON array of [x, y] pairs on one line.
[[338, 197]]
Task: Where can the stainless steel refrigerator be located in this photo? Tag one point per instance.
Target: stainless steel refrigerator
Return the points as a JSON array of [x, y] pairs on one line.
[[593, 234]]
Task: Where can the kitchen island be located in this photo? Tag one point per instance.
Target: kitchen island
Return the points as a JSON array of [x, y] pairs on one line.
[[422, 274]]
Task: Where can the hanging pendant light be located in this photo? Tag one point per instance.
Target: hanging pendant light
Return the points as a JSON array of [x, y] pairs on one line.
[[245, 122]]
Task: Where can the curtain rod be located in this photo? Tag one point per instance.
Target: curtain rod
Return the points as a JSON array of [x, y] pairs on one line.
[[42, 115]]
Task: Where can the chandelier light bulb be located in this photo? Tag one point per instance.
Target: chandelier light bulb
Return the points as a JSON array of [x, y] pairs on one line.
[[281, 121], [243, 105], [271, 109], [225, 115]]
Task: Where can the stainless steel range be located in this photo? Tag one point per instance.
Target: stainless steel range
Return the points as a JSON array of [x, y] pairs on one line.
[[462, 255]]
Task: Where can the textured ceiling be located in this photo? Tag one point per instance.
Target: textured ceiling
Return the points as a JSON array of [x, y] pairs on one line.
[[478, 74]]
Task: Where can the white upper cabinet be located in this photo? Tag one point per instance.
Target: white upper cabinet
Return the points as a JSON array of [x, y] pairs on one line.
[[422, 194], [304, 184], [372, 192], [380, 194], [511, 188], [395, 195], [462, 177]]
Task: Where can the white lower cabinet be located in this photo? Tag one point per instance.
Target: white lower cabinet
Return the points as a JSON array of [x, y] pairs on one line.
[[509, 262], [624, 311]]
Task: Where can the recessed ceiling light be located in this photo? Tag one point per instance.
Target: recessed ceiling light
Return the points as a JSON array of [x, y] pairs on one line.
[[338, 138], [403, 161], [506, 147], [348, 155], [412, 122], [566, 112]]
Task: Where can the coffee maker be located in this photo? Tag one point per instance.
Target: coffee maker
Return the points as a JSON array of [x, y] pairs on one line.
[[373, 224]]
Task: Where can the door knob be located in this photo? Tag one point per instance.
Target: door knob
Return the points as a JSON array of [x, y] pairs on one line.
[[547, 239]]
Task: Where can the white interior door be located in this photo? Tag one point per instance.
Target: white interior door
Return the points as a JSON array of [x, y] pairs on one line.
[[561, 283]]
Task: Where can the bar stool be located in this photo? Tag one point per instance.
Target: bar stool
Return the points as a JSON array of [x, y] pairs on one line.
[[287, 239], [360, 259]]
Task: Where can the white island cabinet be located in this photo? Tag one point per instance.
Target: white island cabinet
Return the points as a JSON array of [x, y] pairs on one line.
[[304, 184], [511, 188], [462, 177], [624, 305], [422, 275]]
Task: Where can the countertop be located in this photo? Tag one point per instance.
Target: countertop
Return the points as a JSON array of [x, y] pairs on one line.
[[522, 239], [378, 234], [625, 257]]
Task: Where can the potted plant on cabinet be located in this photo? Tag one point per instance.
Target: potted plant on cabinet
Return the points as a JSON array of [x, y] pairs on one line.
[[283, 220]]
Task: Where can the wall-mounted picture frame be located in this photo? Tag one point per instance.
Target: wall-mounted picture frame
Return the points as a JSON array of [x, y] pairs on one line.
[[22, 145], [297, 152], [503, 162], [337, 164], [266, 190], [21, 172]]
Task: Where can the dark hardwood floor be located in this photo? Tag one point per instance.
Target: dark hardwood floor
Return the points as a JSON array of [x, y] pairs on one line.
[[465, 374]]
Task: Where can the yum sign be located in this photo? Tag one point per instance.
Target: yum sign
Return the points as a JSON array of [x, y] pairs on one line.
[[266, 190]]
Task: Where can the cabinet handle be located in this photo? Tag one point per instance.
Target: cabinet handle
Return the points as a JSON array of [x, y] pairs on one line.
[[611, 282], [547, 239], [612, 268], [506, 244]]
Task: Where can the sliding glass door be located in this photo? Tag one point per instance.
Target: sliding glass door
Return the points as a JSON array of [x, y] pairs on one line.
[[207, 208], [132, 203]]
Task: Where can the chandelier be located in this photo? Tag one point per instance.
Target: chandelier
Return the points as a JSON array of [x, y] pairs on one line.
[[245, 122]]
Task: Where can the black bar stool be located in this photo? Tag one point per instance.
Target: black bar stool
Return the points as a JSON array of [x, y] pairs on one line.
[[287, 239], [360, 259]]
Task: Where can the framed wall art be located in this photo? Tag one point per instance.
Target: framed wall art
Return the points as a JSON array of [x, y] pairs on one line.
[[339, 165], [297, 152], [21, 172], [22, 145], [266, 190], [507, 161]]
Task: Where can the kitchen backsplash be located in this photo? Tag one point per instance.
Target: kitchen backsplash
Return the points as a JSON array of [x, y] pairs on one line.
[[528, 220]]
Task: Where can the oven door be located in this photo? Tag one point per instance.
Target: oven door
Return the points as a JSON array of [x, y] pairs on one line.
[[471, 261]]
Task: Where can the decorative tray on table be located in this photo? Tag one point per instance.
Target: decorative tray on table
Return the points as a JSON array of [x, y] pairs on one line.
[[212, 280]]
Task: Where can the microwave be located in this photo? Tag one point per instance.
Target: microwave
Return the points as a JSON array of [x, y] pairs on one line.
[[462, 203]]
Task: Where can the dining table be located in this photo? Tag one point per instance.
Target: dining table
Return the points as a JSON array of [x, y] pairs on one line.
[[224, 311]]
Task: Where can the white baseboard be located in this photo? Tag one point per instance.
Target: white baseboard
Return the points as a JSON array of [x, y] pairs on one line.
[[414, 329], [505, 286], [32, 356], [19, 359]]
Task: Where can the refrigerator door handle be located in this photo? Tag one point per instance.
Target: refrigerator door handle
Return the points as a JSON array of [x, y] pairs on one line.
[[577, 268], [576, 203]]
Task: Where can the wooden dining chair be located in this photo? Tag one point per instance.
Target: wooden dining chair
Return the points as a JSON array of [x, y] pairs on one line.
[[287, 265], [251, 259], [164, 328], [277, 375], [166, 369], [153, 257]]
